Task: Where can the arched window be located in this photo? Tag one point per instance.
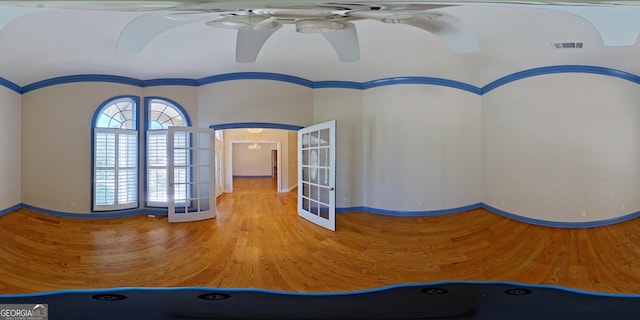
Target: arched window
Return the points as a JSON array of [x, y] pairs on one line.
[[162, 114], [115, 155]]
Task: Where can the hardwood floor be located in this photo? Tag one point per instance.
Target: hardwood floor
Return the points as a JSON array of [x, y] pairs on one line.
[[257, 241]]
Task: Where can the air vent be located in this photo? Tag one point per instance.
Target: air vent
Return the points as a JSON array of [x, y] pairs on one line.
[[567, 45]]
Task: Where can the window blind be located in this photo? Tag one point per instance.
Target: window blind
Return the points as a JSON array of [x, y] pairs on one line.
[[115, 169]]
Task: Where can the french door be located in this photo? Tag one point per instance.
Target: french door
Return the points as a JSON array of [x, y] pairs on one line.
[[316, 174], [191, 174]]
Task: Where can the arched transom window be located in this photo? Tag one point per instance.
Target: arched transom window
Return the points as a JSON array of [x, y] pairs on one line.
[[163, 115], [118, 114]]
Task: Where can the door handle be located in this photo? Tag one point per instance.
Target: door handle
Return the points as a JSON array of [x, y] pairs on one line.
[[332, 189]]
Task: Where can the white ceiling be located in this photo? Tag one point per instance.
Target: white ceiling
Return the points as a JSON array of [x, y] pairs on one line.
[[68, 38]]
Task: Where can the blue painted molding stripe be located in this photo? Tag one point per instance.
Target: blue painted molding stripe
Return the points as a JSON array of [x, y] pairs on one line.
[[10, 209], [410, 213], [544, 223], [10, 85], [256, 76], [338, 85], [560, 69], [264, 125], [163, 211], [170, 82], [326, 84], [97, 215], [422, 80], [82, 78], [559, 224]]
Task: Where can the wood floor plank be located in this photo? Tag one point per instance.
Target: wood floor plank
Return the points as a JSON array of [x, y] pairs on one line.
[[258, 241]]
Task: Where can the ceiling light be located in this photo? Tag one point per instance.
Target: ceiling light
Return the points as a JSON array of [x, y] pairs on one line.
[[254, 130], [317, 25], [254, 146]]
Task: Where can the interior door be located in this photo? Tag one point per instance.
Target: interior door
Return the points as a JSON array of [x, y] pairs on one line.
[[316, 174], [191, 174]]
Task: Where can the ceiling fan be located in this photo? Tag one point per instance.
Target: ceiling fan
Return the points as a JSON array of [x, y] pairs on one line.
[[332, 21]]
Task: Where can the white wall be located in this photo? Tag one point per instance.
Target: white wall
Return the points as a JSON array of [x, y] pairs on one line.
[[344, 106], [547, 147], [248, 162], [290, 149], [10, 148], [255, 101], [421, 148], [56, 142], [558, 145]]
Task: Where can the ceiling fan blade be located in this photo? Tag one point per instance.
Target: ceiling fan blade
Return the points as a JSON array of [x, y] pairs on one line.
[[139, 31], [249, 42], [449, 29], [345, 42]]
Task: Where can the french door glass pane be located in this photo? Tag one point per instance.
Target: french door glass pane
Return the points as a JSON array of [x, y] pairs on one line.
[[204, 204], [323, 157], [305, 140], [324, 211], [204, 174], [324, 195], [314, 139], [324, 137]]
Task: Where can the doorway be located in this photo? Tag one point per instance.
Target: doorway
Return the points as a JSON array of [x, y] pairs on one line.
[[274, 163], [276, 145], [254, 160], [300, 153]]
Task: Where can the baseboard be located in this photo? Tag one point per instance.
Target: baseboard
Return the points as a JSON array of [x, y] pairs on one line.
[[11, 209], [409, 213], [163, 211]]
